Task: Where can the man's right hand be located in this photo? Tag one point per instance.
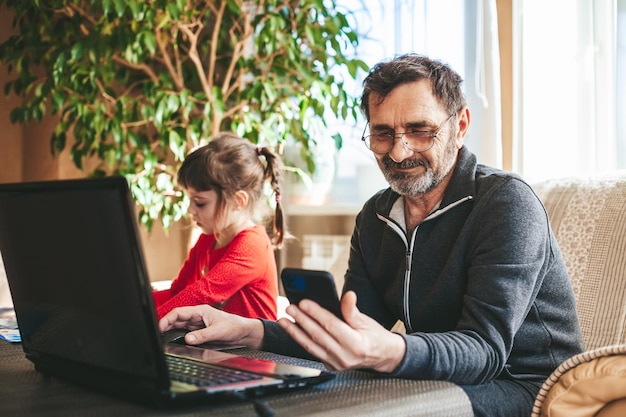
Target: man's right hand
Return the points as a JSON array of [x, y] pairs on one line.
[[208, 324], [356, 343]]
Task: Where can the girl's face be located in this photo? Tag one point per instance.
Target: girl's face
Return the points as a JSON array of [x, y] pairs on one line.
[[203, 209]]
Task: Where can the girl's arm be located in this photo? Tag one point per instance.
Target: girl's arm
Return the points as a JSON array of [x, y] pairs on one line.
[[239, 266]]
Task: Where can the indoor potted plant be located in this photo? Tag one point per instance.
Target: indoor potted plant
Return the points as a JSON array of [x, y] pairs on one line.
[[137, 84]]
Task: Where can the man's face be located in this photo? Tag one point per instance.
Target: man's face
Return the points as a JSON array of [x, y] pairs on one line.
[[413, 107]]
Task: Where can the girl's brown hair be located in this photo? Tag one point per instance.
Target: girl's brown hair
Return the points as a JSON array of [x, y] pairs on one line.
[[229, 163]]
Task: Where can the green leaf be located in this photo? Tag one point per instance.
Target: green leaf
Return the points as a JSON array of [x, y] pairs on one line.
[[177, 145], [174, 10], [136, 10], [110, 158], [150, 161], [164, 182], [59, 139], [338, 141], [106, 6], [173, 102], [150, 41], [77, 52], [120, 7]]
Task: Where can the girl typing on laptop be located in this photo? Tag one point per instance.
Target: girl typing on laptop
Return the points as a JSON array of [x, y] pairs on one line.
[[232, 264]]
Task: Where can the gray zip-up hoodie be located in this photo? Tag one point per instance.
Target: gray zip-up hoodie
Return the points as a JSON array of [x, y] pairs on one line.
[[480, 285]]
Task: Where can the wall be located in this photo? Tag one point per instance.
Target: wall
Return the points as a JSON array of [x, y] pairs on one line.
[[505, 34], [25, 156]]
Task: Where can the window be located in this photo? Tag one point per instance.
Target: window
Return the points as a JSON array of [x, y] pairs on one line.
[[461, 33], [569, 93]]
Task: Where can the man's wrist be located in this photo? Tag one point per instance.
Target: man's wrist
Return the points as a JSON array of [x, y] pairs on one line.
[[395, 352], [256, 332]]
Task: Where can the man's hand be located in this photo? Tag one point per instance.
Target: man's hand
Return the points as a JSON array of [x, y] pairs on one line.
[[208, 324], [359, 342]]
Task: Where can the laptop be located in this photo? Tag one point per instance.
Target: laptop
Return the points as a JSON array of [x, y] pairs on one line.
[[83, 301]]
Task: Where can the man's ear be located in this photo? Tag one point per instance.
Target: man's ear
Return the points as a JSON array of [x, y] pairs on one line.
[[463, 122]]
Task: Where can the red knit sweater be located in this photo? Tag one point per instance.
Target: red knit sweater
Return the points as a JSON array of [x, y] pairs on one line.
[[240, 278]]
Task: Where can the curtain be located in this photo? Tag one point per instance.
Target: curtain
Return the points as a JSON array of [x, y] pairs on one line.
[[568, 89], [482, 81]]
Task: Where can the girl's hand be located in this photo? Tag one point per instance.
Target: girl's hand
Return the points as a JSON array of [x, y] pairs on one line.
[[207, 324]]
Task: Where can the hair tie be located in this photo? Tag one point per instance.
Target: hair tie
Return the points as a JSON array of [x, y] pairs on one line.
[[259, 150], [278, 198]]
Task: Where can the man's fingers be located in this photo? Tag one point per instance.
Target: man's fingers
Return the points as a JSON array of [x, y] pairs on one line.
[[197, 337], [349, 309], [304, 340], [176, 318], [317, 330]]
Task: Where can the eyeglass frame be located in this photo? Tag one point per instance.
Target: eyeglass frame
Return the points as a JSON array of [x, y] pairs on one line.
[[394, 135]]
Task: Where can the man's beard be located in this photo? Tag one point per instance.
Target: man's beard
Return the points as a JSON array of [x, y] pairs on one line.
[[409, 184]]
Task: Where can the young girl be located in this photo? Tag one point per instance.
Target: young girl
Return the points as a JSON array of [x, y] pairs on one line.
[[232, 265]]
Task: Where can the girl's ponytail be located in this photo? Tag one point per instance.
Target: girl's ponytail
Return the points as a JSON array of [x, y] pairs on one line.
[[274, 172]]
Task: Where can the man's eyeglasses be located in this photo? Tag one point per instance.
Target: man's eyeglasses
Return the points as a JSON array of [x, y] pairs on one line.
[[413, 140]]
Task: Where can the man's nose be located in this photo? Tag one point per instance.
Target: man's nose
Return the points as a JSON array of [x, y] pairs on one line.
[[398, 151]]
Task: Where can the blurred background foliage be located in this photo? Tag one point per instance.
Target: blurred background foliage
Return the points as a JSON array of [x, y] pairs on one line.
[[136, 84]]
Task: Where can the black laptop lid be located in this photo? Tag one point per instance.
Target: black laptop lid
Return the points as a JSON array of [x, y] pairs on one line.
[[76, 272]]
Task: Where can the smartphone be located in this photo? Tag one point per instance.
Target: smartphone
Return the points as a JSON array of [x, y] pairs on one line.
[[318, 286]]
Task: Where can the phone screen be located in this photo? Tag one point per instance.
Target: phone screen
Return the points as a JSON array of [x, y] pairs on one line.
[[318, 286]]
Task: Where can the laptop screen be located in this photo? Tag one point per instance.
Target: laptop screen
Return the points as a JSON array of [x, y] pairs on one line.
[[76, 274]]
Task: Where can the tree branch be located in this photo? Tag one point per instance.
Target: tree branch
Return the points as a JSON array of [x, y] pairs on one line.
[[139, 67], [175, 73], [71, 9], [219, 16], [234, 109], [195, 57], [239, 50]]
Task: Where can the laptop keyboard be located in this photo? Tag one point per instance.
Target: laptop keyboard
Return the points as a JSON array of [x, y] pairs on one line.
[[203, 374]]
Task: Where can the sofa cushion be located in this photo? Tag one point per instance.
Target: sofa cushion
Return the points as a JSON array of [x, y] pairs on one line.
[[615, 408], [589, 384], [588, 217]]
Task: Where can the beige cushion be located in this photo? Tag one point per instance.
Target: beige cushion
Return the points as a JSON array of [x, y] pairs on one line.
[[585, 384], [614, 409], [588, 216]]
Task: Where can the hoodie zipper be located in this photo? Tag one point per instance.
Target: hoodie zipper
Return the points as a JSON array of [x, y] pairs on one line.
[[409, 253]]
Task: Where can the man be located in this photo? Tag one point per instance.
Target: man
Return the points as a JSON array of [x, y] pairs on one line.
[[462, 253]]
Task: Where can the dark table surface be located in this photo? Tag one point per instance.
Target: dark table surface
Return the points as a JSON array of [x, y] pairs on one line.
[[25, 392]]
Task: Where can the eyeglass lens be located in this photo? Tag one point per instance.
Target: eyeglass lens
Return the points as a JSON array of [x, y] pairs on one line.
[[416, 141]]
